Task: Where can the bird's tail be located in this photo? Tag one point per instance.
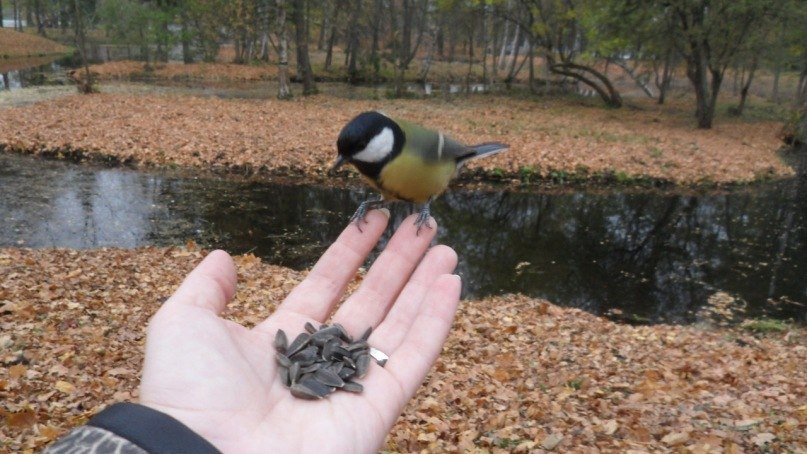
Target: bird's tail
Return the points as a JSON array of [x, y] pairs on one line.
[[485, 149]]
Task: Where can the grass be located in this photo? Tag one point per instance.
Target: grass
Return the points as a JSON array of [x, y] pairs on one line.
[[766, 325]]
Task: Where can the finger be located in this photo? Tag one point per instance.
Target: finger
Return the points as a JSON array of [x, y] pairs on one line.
[[392, 330], [324, 285], [210, 285], [385, 279], [411, 361]]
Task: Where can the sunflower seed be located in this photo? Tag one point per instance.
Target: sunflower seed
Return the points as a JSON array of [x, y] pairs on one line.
[[311, 368], [281, 341], [336, 367], [304, 392], [284, 376], [328, 378], [294, 372], [324, 335], [314, 385], [341, 352], [353, 387], [320, 361], [342, 332], [362, 365], [357, 346], [306, 356], [298, 344], [327, 349], [346, 373], [283, 360]]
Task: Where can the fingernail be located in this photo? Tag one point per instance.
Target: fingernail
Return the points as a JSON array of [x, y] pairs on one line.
[[385, 212], [457, 276]]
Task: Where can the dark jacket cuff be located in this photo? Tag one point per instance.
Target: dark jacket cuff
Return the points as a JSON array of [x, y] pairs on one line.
[[151, 430]]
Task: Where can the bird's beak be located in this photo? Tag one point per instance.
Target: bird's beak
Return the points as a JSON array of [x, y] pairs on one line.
[[339, 161]]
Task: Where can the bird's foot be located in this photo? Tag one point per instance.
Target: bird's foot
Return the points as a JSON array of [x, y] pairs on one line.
[[360, 216], [423, 218]]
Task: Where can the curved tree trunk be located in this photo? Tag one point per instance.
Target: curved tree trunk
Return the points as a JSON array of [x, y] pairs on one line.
[[600, 83]]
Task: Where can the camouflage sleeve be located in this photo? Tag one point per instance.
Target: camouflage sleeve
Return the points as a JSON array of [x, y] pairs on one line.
[[89, 439], [129, 428]]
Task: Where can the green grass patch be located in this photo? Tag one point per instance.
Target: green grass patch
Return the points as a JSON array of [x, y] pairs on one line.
[[766, 325]]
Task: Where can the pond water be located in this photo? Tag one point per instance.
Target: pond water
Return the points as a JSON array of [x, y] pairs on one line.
[[635, 255]]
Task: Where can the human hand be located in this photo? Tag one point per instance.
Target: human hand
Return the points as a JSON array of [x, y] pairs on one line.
[[221, 380]]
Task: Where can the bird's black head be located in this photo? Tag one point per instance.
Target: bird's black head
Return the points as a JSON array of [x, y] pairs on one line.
[[369, 141]]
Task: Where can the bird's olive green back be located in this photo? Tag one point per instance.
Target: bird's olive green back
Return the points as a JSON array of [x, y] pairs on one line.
[[426, 143]]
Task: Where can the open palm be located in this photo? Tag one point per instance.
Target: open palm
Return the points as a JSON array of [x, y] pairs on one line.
[[220, 378]]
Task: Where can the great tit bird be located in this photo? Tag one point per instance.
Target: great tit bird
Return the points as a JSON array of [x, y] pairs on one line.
[[403, 161]]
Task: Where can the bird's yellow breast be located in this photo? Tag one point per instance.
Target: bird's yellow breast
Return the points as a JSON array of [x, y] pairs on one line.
[[409, 177]]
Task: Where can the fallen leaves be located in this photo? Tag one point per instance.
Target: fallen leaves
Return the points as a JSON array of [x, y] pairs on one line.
[[14, 44], [562, 380], [552, 139]]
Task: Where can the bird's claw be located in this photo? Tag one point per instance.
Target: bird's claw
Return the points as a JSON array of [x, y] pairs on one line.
[[423, 219], [361, 212]]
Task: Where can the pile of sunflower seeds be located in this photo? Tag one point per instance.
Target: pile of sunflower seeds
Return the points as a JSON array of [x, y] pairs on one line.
[[320, 361]]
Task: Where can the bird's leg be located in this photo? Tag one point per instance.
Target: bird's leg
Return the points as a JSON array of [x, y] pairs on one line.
[[423, 217], [361, 213]]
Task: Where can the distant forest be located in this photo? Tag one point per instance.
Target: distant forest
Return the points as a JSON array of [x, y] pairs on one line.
[[549, 40]]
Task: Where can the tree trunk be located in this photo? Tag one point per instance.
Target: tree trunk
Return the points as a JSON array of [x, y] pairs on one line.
[[1, 16], [301, 37], [631, 72], [404, 45], [514, 50], [747, 86], [429, 57], [663, 83], [531, 79], [187, 56], [801, 91], [352, 63], [486, 36], [327, 12], [504, 45], [697, 74], [332, 38], [16, 16], [145, 50], [40, 25], [469, 75], [375, 59], [604, 88], [283, 90], [777, 72], [87, 84]]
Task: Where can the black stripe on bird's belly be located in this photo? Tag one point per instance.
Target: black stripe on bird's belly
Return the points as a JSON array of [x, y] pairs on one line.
[[370, 169]]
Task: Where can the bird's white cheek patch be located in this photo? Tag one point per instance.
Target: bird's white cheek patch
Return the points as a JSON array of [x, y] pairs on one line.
[[378, 148]]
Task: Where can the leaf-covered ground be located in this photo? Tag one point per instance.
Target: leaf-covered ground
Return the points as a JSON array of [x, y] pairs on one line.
[[14, 44], [517, 374], [553, 138]]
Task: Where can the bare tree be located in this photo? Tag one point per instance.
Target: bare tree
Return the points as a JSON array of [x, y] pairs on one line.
[[86, 84], [283, 89], [304, 72], [406, 50]]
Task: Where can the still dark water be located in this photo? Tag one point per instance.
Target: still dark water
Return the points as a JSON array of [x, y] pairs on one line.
[[647, 255]]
